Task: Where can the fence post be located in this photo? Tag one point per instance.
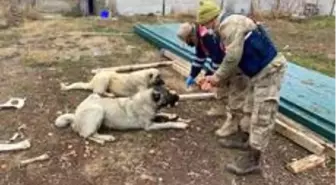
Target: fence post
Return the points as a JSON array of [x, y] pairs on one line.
[[222, 4], [332, 8], [163, 7]]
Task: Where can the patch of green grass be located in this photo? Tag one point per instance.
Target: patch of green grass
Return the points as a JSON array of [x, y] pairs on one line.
[[321, 22], [317, 62]]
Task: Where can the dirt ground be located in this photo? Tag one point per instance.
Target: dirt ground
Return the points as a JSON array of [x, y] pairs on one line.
[[36, 57]]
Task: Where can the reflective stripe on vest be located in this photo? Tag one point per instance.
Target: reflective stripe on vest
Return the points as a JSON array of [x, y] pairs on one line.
[[200, 41]]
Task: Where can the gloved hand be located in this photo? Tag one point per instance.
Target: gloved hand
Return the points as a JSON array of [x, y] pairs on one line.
[[190, 81], [209, 83]]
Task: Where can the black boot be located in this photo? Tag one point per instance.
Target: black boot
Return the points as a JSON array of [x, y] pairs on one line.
[[246, 164], [238, 140]]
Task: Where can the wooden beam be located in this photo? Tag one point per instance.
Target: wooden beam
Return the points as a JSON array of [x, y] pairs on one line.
[[181, 70], [197, 96], [134, 67], [171, 55], [306, 163], [330, 149], [179, 61], [299, 137]]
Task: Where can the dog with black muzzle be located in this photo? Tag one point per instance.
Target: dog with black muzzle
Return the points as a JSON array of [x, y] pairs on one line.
[[111, 83], [141, 111]]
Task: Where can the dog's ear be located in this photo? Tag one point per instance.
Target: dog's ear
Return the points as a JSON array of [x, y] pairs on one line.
[[156, 96]]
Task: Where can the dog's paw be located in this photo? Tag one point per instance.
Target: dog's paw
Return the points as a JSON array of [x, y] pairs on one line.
[[63, 86], [96, 140], [222, 133], [109, 95], [109, 138], [184, 120], [172, 117], [182, 125], [103, 137]]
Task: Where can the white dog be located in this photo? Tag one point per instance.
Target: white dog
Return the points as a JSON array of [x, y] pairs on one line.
[[111, 83], [137, 112]]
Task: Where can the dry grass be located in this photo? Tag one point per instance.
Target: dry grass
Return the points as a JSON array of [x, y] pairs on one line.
[[310, 43], [61, 40], [44, 42]]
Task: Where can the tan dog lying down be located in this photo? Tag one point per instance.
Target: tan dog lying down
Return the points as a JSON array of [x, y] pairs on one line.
[[111, 83], [137, 112]]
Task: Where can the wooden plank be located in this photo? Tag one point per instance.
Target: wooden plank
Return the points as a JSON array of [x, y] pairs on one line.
[[182, 71], [197, 96], [297, 126], [171, 55], [179, 60], [306, 163], [299, 137], [330, 149], [186, 68], [134, 67]]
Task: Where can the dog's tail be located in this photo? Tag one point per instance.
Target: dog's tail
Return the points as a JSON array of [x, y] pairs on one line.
[[64, 120]]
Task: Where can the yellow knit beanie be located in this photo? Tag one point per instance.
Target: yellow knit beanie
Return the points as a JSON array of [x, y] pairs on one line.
[[207, 11]]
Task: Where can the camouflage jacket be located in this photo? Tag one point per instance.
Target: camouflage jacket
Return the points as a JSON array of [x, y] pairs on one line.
[[232, 31]]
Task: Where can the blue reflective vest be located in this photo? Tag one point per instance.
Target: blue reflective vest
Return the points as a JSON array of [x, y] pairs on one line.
[[258, 51]]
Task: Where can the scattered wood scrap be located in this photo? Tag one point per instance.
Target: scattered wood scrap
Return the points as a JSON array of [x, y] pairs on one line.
[[25, 144], [42, 157], [306, 163], [17, 103], [127, 68]]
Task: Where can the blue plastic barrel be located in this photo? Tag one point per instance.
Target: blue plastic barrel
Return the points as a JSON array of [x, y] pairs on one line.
[[104, 14]]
